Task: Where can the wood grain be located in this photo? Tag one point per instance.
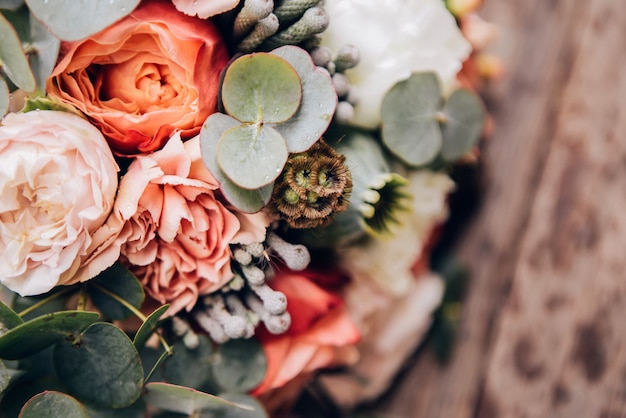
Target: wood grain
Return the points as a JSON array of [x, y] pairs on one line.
[[543, 332]]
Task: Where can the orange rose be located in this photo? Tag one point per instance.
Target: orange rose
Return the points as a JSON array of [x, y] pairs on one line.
[[153, 72], [320, 330]]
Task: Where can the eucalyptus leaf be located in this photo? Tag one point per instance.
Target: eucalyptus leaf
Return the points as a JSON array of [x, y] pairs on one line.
[[53, 404], [5, 99], [120, 281], [72, 20], [8, 318], [41, 332], [249, 201], [184, 400], [5, 377], [16, 396], [239, 365], [241, 399], [464, 117], [46, 51], [319, 101], [261, 87], [147, 328], [190, 367], [100, 366], [13, 59], [410, 119], [252, 155]]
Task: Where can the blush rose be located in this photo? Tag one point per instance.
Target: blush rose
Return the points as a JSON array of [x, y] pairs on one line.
[[177, 232], [154, 72], [57, 186]]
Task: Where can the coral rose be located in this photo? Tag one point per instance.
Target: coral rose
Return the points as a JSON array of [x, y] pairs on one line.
[[57, 186], [154, 72], [320, 330], [177, 233]]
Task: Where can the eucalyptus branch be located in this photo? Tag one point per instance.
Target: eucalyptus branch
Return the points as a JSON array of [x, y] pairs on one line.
[[168, 349], [44, 301], [82, 298], [160, 360]]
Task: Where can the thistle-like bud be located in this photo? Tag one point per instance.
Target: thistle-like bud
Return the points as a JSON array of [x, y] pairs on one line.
[[251, 12], [313, 186], [315, 20]]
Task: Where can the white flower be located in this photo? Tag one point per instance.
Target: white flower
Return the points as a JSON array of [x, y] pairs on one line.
[[371, 260], [394, 38], [58, 181]]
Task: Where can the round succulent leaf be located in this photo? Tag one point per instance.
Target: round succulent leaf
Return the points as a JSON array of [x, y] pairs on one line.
[[43, 331], [261, 87], [258, 410], [8, 318], [119, 280], [53, 404], [100, 366], [72, 20], [239, 365], [252, 155], [149, 326], [184, 400], [319, 101], [464, 119], [410, 126], [12, 57], [248, 201], [5, 99]]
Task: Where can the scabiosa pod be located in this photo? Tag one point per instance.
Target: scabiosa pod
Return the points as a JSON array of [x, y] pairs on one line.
[[314, 186]]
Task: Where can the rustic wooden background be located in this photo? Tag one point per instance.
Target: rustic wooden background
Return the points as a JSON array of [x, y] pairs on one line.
[[543, 331]]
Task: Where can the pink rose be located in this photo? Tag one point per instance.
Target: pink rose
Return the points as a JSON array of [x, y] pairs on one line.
[[320, 330], [154, 72], [57, 186], [177, 233]]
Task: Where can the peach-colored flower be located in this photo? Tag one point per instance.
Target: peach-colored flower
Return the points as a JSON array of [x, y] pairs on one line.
[[57, 186], [154, 72], [320, 329], [177, 233]]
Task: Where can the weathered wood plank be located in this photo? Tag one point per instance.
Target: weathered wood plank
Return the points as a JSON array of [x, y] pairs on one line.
[[561, 346], [539, 44]]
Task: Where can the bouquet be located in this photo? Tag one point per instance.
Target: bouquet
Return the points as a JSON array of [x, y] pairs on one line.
[[204, 203]]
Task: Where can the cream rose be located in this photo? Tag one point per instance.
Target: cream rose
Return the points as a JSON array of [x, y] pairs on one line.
[[57, 186], [394, 39], [177, 232]]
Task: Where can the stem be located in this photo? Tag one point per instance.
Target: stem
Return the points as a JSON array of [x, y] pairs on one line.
[[44, 301], [160, 360], [136, 312], [82, 298]]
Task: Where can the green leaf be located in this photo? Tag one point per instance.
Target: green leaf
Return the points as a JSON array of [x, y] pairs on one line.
[[53, 404], [5, 377], [5, 99], [249, 201], [319, 100], [100, 366], [258, 410], [72, 20], [13, 59], [147, 328], [410, 119], [120, 281], [251, 155], [184, 400], [43, 331], [464, 118], [19, 393], [8, 318], [261, 87], [239, 365], [46, 51], [190, 367]]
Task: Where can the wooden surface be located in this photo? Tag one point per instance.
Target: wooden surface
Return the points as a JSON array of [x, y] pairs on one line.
[[543, 331]]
